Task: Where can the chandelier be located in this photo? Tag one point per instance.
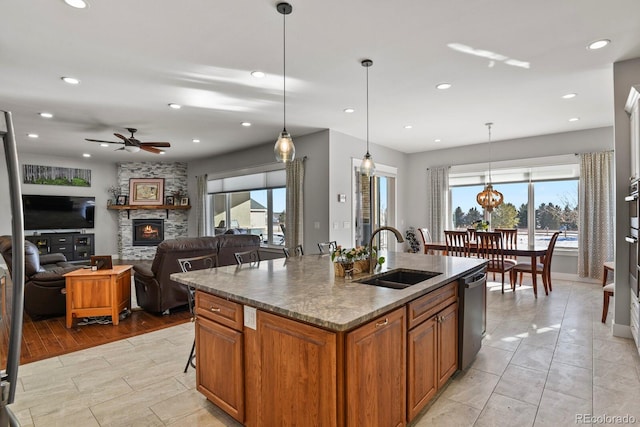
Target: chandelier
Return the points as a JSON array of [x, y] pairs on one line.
[[489, 198]]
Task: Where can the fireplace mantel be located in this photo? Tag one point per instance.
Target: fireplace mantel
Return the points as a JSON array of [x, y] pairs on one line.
[[129, 208]]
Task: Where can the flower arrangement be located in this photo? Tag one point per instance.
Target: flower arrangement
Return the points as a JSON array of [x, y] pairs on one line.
[[354, 258], [114, 191], [481, 225]]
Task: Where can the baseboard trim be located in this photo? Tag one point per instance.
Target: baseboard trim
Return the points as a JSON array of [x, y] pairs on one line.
[[622, 331], [573, 278]]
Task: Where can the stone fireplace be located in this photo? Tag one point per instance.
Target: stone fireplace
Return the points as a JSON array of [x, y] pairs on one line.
[[147, 232]]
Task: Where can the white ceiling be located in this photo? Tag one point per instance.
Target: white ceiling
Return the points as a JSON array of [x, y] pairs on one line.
[[135, 57]]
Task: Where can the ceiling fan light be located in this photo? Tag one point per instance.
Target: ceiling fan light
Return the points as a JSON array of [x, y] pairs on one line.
[[284, 150], [132, 148]]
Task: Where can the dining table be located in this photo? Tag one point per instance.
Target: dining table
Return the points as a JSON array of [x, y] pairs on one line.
[[531, 251]]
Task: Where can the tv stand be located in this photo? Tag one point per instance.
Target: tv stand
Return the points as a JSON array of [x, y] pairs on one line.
[[75, 246]]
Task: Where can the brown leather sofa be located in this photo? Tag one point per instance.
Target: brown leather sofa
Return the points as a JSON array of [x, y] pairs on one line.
[[156, 293], [44, 285]]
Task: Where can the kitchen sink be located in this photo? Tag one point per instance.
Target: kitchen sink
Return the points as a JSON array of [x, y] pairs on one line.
[[399, 278]]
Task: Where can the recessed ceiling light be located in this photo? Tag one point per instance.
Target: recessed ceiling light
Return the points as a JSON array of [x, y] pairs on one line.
[[436, 140], [574, 119], [32, 135], [70, 80], [257, 74], [569, 96], [78, 4], [408, 127], [443, 86], [46, 115], [104, 145], [245, 124], [598, 44], [175, 106], [196, 141], [86, 155], [349, 110]]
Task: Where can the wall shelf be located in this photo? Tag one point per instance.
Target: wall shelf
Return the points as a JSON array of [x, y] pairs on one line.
[[130, 208]]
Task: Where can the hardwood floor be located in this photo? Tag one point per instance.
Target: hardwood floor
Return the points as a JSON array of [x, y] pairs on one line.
[[47, 338]]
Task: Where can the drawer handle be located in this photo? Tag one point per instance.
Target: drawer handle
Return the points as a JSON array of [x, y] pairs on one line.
[[630, 239], [214, 309], [62, 249], [381, 323]]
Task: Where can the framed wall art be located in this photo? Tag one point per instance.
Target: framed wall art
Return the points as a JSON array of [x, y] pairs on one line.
[[146, 191]]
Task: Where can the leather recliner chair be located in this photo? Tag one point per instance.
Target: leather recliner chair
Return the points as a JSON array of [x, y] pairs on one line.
[[44, 283], [156, 293]]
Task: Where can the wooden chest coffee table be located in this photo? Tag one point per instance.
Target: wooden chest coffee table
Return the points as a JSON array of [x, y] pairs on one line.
[[98, 293]]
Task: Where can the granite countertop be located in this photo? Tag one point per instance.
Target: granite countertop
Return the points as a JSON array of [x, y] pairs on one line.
[[305, 288]]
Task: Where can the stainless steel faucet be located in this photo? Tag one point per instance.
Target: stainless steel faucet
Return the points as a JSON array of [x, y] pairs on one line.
[[372, 262]]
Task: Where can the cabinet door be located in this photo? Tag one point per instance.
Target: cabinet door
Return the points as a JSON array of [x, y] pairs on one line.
[[219, 373], [447, 321], [43, 243], [376, 375], [297, 380], [82, 247], [422, 344]]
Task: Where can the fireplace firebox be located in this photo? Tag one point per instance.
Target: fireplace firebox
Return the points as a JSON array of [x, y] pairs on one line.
[[148, 232]]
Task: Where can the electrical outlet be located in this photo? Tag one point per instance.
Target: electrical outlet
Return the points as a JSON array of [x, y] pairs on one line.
[[250, 317]]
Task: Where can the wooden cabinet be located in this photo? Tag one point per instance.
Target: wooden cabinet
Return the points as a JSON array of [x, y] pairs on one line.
[[219, 355], [74, 246], [432, 346], [297, 378], [376, 375]]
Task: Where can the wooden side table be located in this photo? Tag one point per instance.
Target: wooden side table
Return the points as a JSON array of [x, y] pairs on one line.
[[98, 293]]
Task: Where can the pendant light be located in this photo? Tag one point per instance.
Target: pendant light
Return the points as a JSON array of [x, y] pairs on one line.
[[489, 198], [284, 149], [367, 168]]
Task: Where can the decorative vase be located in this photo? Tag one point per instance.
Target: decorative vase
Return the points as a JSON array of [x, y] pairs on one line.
[[343, 268]]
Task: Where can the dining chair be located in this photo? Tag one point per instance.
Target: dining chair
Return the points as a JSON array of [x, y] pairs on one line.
[[543, 267], [327, 247], [189, 264], [490, 248], [297, 251], [457, 243], [426, 238], [247, 257], [608, 290], [509, 242]]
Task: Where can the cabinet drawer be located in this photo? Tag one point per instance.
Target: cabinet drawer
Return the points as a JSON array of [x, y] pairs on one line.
[[428, 305], [219, 310], [63, 248], [61, 240]]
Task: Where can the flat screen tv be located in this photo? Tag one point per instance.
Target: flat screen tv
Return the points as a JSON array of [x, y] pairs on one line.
[[58, 212]]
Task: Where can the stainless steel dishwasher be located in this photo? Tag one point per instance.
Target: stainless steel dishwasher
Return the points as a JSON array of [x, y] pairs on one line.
[[474, 300]]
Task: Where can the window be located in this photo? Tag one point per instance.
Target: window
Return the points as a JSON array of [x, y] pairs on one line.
[[551, 188], [251, 203]]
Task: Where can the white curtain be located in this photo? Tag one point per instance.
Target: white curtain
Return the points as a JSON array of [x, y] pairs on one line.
[[595, 206], [437, 201], [294, 224], [201, 204]]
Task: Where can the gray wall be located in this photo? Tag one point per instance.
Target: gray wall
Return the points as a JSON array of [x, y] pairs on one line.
[[102, 176], [625, 75]]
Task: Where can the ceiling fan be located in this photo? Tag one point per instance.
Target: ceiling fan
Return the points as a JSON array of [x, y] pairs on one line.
[[134, 145]]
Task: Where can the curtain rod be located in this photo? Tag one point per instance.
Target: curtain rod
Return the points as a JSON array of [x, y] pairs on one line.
[[588, 152]]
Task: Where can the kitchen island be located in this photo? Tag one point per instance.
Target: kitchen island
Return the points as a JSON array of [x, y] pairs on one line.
[[287, 340]]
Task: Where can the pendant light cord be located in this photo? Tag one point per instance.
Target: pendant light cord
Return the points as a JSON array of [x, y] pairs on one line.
[[489, 127], [284, 70], [367, 109]]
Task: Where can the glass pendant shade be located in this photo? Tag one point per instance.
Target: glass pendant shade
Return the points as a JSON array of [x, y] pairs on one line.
[[367, 168], [132, 148], [489, 198], [284, 149]]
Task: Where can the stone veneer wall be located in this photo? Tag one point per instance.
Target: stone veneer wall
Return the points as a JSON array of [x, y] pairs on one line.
[[175, 180]]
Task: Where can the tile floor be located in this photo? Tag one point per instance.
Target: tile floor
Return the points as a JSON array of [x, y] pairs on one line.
[[543, 362]]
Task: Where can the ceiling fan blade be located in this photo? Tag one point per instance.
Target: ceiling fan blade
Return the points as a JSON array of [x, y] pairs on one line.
[[124, 138], [99, 140], [155, 144], [150, 149]]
